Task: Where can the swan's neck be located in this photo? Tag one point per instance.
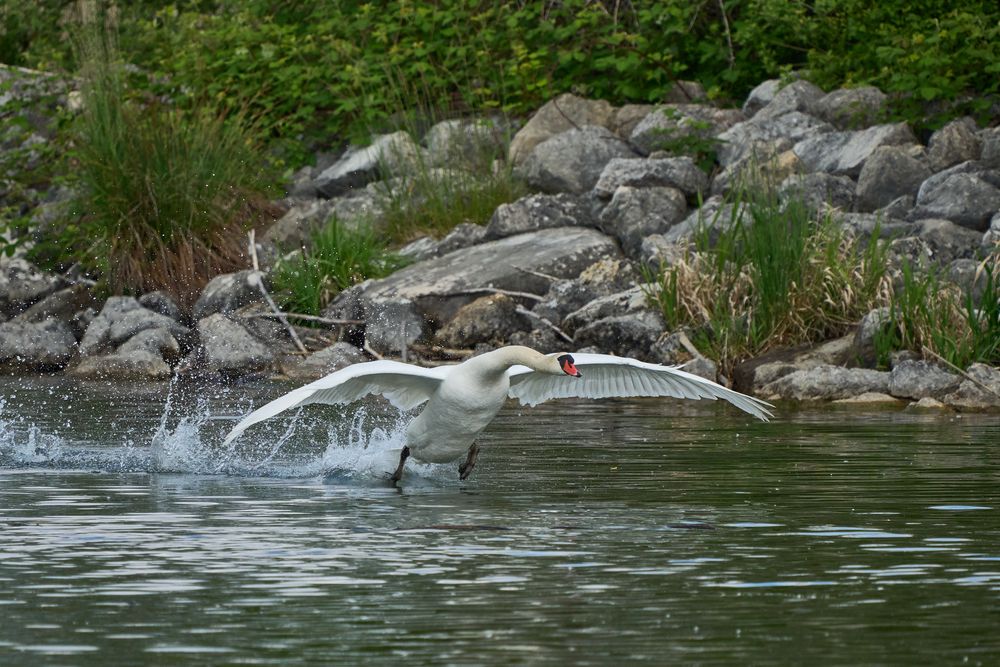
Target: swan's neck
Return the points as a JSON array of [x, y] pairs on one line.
[[500, 361]]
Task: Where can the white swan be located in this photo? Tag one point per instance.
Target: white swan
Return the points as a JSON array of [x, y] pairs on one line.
[[463, 399]]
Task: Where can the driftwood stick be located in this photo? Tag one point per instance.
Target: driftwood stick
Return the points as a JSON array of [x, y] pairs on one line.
[[521, 310], [495, 290], [307, 318], [252, 236], [279, 314], [539, 274], [368, 348]]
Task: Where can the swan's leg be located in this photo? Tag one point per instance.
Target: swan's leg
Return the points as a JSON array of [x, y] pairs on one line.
[[403, 455], [465, 469]]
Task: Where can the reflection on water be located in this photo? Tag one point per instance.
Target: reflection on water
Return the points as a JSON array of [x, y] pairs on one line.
[[651, 532]]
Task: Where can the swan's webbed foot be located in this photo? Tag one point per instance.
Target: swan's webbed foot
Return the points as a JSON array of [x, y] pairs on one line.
[[465, 469], [396, 476]]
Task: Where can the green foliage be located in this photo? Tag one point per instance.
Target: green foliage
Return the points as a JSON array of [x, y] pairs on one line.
[[774, 276], [165, 196], [694, 138], [337, 257]]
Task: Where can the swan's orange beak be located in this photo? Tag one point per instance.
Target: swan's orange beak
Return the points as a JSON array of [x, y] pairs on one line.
[[570, 369]]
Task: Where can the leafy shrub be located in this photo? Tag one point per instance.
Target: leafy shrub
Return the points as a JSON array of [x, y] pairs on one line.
[[776, 276], [337, 257]]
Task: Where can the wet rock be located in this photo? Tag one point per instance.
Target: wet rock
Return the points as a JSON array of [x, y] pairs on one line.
[[489, 319], [917, 379], [954, 143], [561, 114], [964, 199], [322, 363], [845, 153], [136, 365], [536, 212], [635, 213], [819, 190], [827, 382], [852, 108], [387, 154], [160, 302], [96, 336], [23, 284], [573, 160], [753, 375], [140, 319], [873, 398], [229, 349], [392, 323], [981, 392], [927, 403], [630, 335], [678, 122], [753, 137], [704, 368], [60, 305], [891, 172], [36, 346], [160, 342], [229, 292], [677, 172], [438, 287], [796, 96]]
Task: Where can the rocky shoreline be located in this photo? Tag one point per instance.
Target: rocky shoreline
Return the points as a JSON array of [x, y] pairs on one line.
[[563, 268]]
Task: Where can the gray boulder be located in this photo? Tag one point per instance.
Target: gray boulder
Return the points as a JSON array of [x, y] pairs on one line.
[[141, 319], [977, 169], [60, 305], [631, 335], [863, 225], [416, 251], [845, 153], [96, 336], [819, 190], [628, 116], [229, 349], [947, 241], [322, 363], [134, 365], [989, 141], [36, 346], [558, 115], [991, 239], [635, 213], [757, 134], [981, 392], [827, 382], [678, 122], [919, 379], [23, 284], [962, 198], [765, 166], [463, 141], [610, 275], [392, 323], [852, 108], [438, 287], [160, 342], [889, 173], [464, 235], [298, 223], [387, 154], [564, 297], [899, 208], [677, 172], [761, 96], [573, 160], [954, 143], [229, 292], [875, 323], [536, 212], [715, 217], [489, 319], [656, 252], [160, 302], [798, 95], [753, 375], [627, 302]]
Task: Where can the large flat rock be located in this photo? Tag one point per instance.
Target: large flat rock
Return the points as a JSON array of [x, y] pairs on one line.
[[438, 287]]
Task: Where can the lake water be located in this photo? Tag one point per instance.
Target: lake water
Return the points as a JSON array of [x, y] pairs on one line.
[[591, 533]]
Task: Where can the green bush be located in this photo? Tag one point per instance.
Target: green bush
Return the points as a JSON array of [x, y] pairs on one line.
[[337, 257]]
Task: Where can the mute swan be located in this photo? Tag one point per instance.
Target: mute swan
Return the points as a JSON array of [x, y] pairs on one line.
[[463, 399]]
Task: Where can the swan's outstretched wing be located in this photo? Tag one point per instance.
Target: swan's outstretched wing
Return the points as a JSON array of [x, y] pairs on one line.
[[605, 376], [404, 385]]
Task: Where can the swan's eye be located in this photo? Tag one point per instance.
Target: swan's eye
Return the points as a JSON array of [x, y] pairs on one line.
[[568, 366]]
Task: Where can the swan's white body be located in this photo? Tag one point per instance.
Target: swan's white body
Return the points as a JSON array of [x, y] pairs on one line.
[[463, 399]]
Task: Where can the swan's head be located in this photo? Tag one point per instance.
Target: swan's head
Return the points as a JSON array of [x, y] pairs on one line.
[[567, 365]]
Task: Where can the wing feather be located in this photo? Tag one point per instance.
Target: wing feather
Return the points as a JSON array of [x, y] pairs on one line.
[[405, 386], [606, 376]]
